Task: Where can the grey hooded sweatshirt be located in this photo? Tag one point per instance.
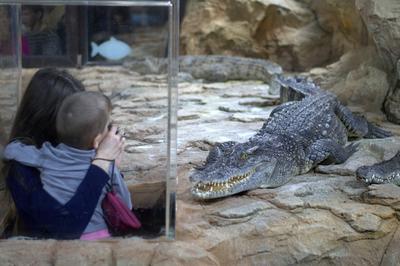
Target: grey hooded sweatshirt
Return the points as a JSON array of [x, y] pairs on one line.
[[62, 169]]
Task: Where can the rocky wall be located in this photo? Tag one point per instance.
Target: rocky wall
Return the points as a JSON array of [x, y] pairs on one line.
[[298, 35], [350, 47], [382, 19]]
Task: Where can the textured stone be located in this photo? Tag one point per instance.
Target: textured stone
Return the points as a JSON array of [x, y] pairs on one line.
[[181, 253], [385, 194], [392, 254], [27, 252], [133, 251], [382, 19], [341, 20], [369, 152], [356, 79], [296, 34], [392, 104], [301, 35], [82, 253]]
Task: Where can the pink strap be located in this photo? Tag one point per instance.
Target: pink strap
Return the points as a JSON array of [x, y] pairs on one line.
[[96, 235]]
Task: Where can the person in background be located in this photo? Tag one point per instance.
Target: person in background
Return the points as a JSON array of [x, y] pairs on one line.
[[39, 39], [120, 21]]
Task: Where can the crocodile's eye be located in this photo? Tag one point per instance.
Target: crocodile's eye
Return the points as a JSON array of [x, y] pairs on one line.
[[244, 156]]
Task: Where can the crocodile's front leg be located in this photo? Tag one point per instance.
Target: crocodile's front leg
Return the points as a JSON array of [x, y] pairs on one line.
[[358, 125], [327, 151], [383, 172]]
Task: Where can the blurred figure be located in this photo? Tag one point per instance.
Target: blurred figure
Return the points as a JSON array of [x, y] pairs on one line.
[[39, 39], [5, 31], [120, 21], [32, 17]]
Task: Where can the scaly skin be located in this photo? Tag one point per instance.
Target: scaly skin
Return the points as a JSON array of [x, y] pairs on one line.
[[381, 173], [297, 136], [213, 68]]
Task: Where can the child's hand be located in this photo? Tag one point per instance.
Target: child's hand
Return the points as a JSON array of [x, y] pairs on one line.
[[119, 159], [111, 146]]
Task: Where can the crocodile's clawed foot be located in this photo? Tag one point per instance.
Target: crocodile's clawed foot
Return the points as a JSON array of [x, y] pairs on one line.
[[351, 149], [375, 132]]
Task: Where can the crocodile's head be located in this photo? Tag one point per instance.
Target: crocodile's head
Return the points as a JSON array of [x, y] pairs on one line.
[[231, 168], [380, 173]]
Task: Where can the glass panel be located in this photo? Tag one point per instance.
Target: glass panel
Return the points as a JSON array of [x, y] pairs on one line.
[[173, 52], [144, 100], [10, 69], [50, 35], [9, 88], [144, 29], [43, 30], [91, 2]]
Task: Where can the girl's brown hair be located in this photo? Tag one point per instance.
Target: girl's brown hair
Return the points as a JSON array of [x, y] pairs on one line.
[[35, 121], [36, 116]]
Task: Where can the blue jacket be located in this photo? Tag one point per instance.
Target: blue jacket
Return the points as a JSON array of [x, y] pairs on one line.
[[62, 169], [42, 215]]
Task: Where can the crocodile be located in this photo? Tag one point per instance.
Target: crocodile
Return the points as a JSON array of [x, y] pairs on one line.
[[381, 173], [296, 137], [213, 68]]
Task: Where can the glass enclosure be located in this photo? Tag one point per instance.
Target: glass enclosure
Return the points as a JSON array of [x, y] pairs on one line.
[[126, 50]]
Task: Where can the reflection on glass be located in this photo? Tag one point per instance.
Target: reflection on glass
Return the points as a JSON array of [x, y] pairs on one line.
[[43, 30], [112, 30], [5, 34], [9, 74], [9, 88]]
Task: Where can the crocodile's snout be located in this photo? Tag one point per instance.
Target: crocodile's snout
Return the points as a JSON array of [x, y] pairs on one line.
[[372, 175], [362, 174], [384, 172], [376, 174]]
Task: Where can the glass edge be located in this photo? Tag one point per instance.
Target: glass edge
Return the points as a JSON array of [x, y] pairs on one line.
[[173, 68], [16, 11], [90, 2]]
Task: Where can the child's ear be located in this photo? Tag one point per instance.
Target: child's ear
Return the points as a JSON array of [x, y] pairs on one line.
[[97, 140]]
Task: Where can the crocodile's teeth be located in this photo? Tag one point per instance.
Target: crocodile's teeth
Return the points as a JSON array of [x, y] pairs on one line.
[[219, 186]]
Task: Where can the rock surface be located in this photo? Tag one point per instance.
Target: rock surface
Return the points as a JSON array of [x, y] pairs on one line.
[[315, 219], [352, 44], [355, 80], [392, 103], [382, 19], [296, 34]]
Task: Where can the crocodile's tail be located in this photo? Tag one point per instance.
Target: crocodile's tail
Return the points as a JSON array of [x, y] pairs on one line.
[[218, 68], [296, 88]]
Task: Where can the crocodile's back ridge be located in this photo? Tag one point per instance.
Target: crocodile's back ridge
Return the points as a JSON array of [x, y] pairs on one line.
[[310, 119]]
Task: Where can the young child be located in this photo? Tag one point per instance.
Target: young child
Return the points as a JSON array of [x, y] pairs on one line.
[[82, 123]]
